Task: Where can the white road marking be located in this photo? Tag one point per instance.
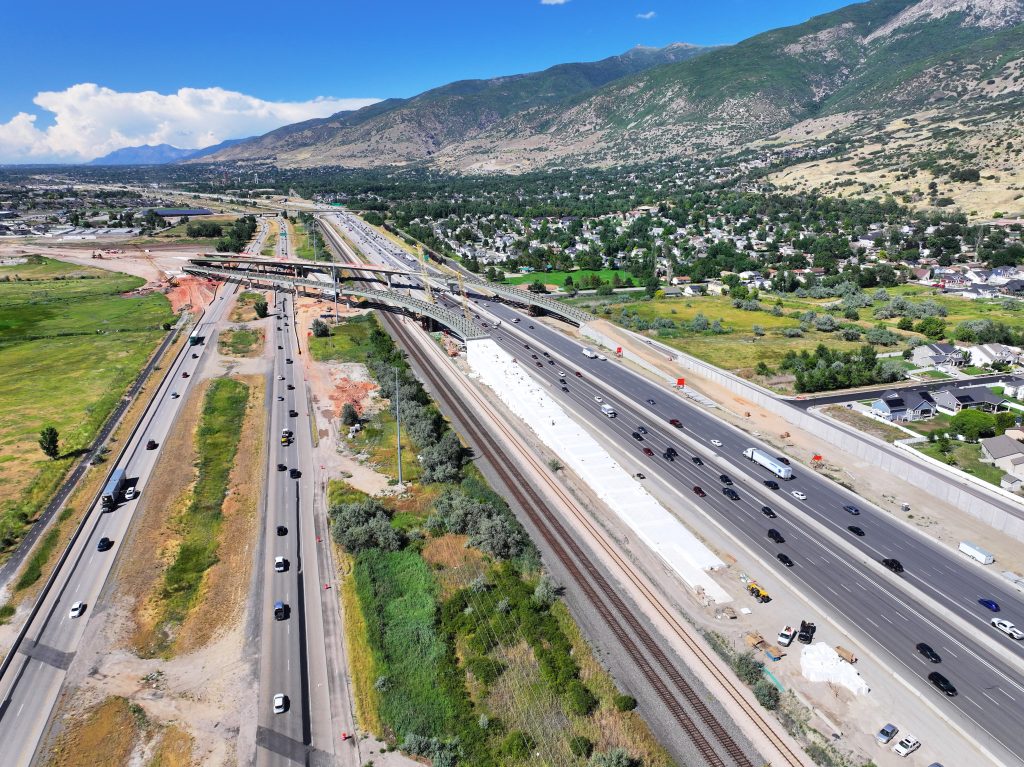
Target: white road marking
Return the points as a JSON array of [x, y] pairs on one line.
[[972, 700]]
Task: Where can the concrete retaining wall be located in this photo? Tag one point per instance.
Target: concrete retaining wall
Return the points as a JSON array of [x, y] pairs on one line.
[[863, 446]]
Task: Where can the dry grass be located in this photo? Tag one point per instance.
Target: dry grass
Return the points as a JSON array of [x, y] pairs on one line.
[[455, 564], [110, 728], [243, 310], [357, 649], [174, 749], [864, 424], [241, 342], [223, 593]]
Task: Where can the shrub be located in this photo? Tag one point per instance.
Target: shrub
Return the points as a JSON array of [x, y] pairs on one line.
[[579, 699], [617, 757], [320, 328], [581, 747], [363, 525], [487, 670], [625, 702], [349, 416], [262, 310], [767, 694], [517, 746], [792, 332], [748, 668]]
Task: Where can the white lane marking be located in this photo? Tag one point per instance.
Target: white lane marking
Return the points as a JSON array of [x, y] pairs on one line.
[[990, 697], [972, 701], [1004, 692], [845, 588], [871, 622]]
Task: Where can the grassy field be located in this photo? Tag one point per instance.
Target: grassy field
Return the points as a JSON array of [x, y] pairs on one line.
[[347, 342], [300, 245], [178, 232], [199, 525], [241, 342], [865, 424], [558, 278], [243, 310], [111, 728], [965, 456], [271, 245], [70, 344], [378, 439]]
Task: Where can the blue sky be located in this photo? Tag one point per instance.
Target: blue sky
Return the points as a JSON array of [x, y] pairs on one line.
[[282, 56]]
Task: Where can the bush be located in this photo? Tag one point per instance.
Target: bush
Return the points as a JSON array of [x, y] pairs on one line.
[[792, 332], [517, 746], [349, 416], [320, 328], [262, 310], [617, 757], [363, 525], [767, 694], [748, 668], [579, 699], [625, 702], [487, 670], [581, 747]]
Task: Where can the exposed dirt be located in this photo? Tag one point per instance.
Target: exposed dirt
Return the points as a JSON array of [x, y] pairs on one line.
[[108, 728], [190, 292]]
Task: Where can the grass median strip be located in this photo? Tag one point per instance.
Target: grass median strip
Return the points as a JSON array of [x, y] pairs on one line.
[[199, 524]]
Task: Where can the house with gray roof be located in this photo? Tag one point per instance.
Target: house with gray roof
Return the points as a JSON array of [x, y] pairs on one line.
[[1005, 453], [934, 355], [952, 401], [903, 406]]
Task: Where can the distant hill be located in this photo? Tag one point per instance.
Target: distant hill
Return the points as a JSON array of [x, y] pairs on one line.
[[160, 154], [888, 84]]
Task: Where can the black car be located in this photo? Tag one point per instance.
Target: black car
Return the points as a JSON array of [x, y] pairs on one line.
[[534, 356], [776, 536], [771, 484], [856, 531], [697, 460], [289, 360], [279, 346], [731, 494], [650, 402], [293, 413], [781, 459], [282, 530], [671, 451], [893, 564], [105, 544], [638, 436], [669, 456], [769, 512], [291, 387], [851, 510], [642, 429], [281, 467], [725, 479], [927, 651], [294, 473], [942, 683], [565, 388], [784, 558]]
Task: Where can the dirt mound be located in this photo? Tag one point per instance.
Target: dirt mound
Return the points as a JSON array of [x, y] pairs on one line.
[[190, 292]]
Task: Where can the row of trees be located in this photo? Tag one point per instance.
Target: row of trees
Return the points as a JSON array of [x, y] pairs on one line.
[[237, 236], [826, 369]]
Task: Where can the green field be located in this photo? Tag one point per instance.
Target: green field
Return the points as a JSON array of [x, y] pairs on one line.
[[240, 342], [558, 278], [300, 245], [216, 442], [966, 457], [347, 342], [70, 344]]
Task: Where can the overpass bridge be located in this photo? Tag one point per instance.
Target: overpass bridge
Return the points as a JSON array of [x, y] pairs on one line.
[[454, 321], [296, 267]]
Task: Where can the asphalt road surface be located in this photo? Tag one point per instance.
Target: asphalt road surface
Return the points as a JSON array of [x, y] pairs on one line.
[[33, 680]]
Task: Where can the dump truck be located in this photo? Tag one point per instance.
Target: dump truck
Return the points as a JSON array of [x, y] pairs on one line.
[[758, 593]]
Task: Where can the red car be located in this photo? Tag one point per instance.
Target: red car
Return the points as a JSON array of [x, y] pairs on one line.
[[579, 374], [698, 490], [648, 452], [675, 422]]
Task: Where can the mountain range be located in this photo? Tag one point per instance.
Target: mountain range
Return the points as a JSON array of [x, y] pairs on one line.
[[159, 154], [889, 72]]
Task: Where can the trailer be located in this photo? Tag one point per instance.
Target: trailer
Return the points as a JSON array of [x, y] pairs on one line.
[[846, 655], [976, 552], [776, 467], [608, 410], [197, 336], [589, 353], [112, 490]]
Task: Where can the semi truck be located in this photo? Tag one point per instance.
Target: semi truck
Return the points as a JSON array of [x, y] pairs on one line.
[[608, 410], [589, 353], [112, 491], [776, 467]]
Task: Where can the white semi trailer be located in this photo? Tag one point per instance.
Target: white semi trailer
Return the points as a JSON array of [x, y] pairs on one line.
[[776, 467]]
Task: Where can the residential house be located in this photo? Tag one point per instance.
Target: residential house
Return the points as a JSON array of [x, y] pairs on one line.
[[987, 354], [695, 289], [1013, 288], [952, 401], [1005, 453], [904, 406], [934, 355]]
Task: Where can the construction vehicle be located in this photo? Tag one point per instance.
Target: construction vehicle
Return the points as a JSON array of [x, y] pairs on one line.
[[758, 593], [806, 635]]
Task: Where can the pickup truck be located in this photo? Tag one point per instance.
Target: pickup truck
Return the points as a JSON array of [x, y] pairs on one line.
[[786, 636], [806, 634]]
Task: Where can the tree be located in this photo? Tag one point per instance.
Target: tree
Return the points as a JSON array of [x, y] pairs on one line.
[[443, 460], [320, 328], [1005, 421], [973, 424], [767, 694], [363, 525], [49, 442], [262, 310], [349, 416], [932, 327], [581, 747]]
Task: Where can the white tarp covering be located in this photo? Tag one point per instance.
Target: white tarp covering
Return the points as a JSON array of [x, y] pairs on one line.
[[821, 663], [649, 520]]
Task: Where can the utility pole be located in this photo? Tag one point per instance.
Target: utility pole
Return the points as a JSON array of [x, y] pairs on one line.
[[398, 428], [312, 234]]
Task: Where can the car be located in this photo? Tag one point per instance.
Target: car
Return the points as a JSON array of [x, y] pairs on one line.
[[675, 422], [640, 475], [539, 364], [776, 536], [129, 493], [561, 374], [280, 703], [648, 452], [799, 496], [907, 745], [77, 609], [280, 564], [281, 467], [565, 388], [278, 327], [602, 358], [293, 413], [887, 733], [184, 374], [526, 346], [534, 356], [698, 490], [731, 494], [642, 429], [856, 531], [1007, 628], [650, 402], [175, 395], [516, 320], [670, 450], [579, 374], [638, 436], [280, 378], [725, 479], [782, 459], [151, 444], [697, 461], [545, 354], [769, 512], [893, 564], [598, 398], [990, 604], [716, 442], [294, 473], [784, 558], [771, 484], [104, 544], [851, 510], [930, 655], [279, 346], [280, 398], [290, 387], [531, 327]]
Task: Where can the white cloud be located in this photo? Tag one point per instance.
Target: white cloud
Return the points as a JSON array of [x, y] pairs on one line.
[[553, 2], [646, 16], [90, 121]]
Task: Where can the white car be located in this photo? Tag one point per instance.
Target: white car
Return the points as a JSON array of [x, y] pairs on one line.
[[76, 610], [280, 378], [175, 395], [907, 745], [799, 496], [598, 398], [129, 493], [561, 374], [602, 357], [716, 442], [280, 703], [280, 564], [1007, 628]]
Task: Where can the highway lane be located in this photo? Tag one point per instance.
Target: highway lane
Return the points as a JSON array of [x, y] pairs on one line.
[[32, 683], [990, 690]]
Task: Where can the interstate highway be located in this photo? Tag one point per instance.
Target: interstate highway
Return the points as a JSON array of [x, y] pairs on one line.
[[991, 690], [31, 685]]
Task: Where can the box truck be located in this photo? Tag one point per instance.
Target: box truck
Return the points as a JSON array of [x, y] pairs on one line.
[[976, 552], [608, 410]]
